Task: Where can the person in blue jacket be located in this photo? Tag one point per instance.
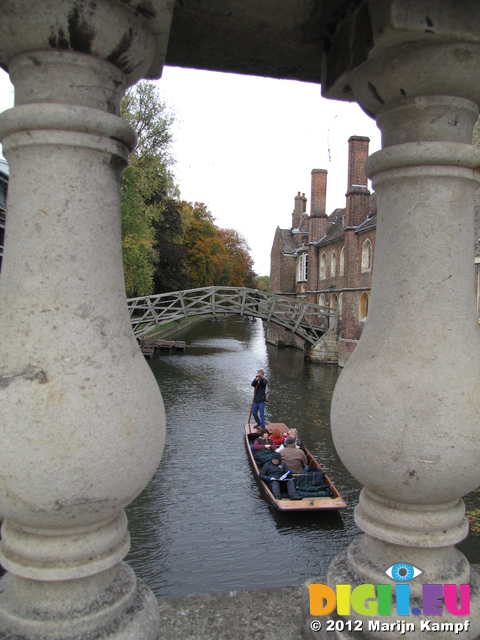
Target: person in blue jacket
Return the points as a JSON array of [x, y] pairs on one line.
[[259, 399]]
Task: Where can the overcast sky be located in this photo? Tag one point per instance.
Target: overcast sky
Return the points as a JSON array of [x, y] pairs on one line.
[[245, 146]]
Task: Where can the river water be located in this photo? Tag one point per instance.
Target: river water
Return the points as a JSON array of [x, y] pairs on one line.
[[202, 524]]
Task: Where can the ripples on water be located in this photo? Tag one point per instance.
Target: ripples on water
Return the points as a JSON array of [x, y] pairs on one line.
[[202, 524]]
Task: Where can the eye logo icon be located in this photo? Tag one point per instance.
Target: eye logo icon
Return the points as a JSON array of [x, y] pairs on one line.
[[403, 572], [378, 600]]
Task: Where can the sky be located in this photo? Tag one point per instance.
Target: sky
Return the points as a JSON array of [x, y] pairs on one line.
[[245, 146]]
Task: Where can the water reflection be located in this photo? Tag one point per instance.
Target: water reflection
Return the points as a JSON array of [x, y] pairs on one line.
[[202, 524]]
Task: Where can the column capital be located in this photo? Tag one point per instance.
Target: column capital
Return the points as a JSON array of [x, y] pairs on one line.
[[399, 33], [130, 34]]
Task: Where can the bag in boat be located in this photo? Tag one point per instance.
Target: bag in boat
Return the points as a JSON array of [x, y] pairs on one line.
[[313, 485]]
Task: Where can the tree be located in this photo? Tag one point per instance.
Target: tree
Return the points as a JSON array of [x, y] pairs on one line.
[[171, 253], [147, 184], [206, 251], [239, 264], [167, 244], [262, 283]]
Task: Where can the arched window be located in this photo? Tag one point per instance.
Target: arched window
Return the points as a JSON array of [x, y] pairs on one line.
[[366, 256], [321, 300], [323, 266], [340, 309], [363, 310], [342, 262], [333, 264], [333, 306]]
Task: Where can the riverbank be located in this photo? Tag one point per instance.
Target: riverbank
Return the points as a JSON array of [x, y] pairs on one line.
[[171, 329]]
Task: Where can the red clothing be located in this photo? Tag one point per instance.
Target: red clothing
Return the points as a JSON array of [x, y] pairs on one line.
[[277, 441]]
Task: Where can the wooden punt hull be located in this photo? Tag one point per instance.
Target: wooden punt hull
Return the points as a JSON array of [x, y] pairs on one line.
[[285, 504]]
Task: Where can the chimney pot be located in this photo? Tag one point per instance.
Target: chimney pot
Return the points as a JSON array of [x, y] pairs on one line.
[[299, 209]]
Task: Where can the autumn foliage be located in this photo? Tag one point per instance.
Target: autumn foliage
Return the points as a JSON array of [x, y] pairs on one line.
[[169, 244]]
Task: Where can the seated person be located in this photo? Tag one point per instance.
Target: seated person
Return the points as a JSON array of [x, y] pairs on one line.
[[272, 471], [277, 437], [263, 448], [294, 457], [298, 442], [264, 441]]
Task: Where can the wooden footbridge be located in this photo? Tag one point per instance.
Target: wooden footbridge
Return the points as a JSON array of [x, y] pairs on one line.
[[308, 321]]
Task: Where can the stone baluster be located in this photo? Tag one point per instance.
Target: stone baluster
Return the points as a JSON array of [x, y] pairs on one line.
[[82, 426], [405, 409]]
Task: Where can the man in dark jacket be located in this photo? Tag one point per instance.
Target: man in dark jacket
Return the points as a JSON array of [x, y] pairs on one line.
[[259, 399], [272, 471]]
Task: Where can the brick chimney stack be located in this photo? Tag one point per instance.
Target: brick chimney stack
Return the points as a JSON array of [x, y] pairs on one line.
[[299, 209], [357, 189], [357, 155], [318, 216]]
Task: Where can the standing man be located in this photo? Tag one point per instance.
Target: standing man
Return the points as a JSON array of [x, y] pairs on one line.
[[259, 399]]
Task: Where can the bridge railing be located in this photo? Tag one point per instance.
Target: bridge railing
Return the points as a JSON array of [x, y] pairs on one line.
[[309, 321]]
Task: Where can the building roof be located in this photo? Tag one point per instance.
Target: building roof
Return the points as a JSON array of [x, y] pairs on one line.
[[369, 223], [335, 229]]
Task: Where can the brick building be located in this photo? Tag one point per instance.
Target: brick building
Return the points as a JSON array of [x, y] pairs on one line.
[[328, 260]]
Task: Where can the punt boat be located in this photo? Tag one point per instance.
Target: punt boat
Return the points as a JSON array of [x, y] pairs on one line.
[[318, 491]]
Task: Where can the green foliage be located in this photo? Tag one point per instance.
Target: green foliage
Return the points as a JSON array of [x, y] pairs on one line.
[[137, 238], [168, 244], [147, 183], [171, 264], [473, 515], [262, 283]]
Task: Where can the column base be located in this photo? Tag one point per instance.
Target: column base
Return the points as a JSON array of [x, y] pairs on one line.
[[413, 627], [114, 605]]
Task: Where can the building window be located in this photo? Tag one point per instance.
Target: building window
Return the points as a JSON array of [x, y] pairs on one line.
[[323, 266], [302, 267], [363, 311], [333, 306], [342, 262], [333, 264], [366, 256]]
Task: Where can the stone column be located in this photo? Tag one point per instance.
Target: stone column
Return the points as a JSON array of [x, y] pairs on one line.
[[405, 409], [82, 427]]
